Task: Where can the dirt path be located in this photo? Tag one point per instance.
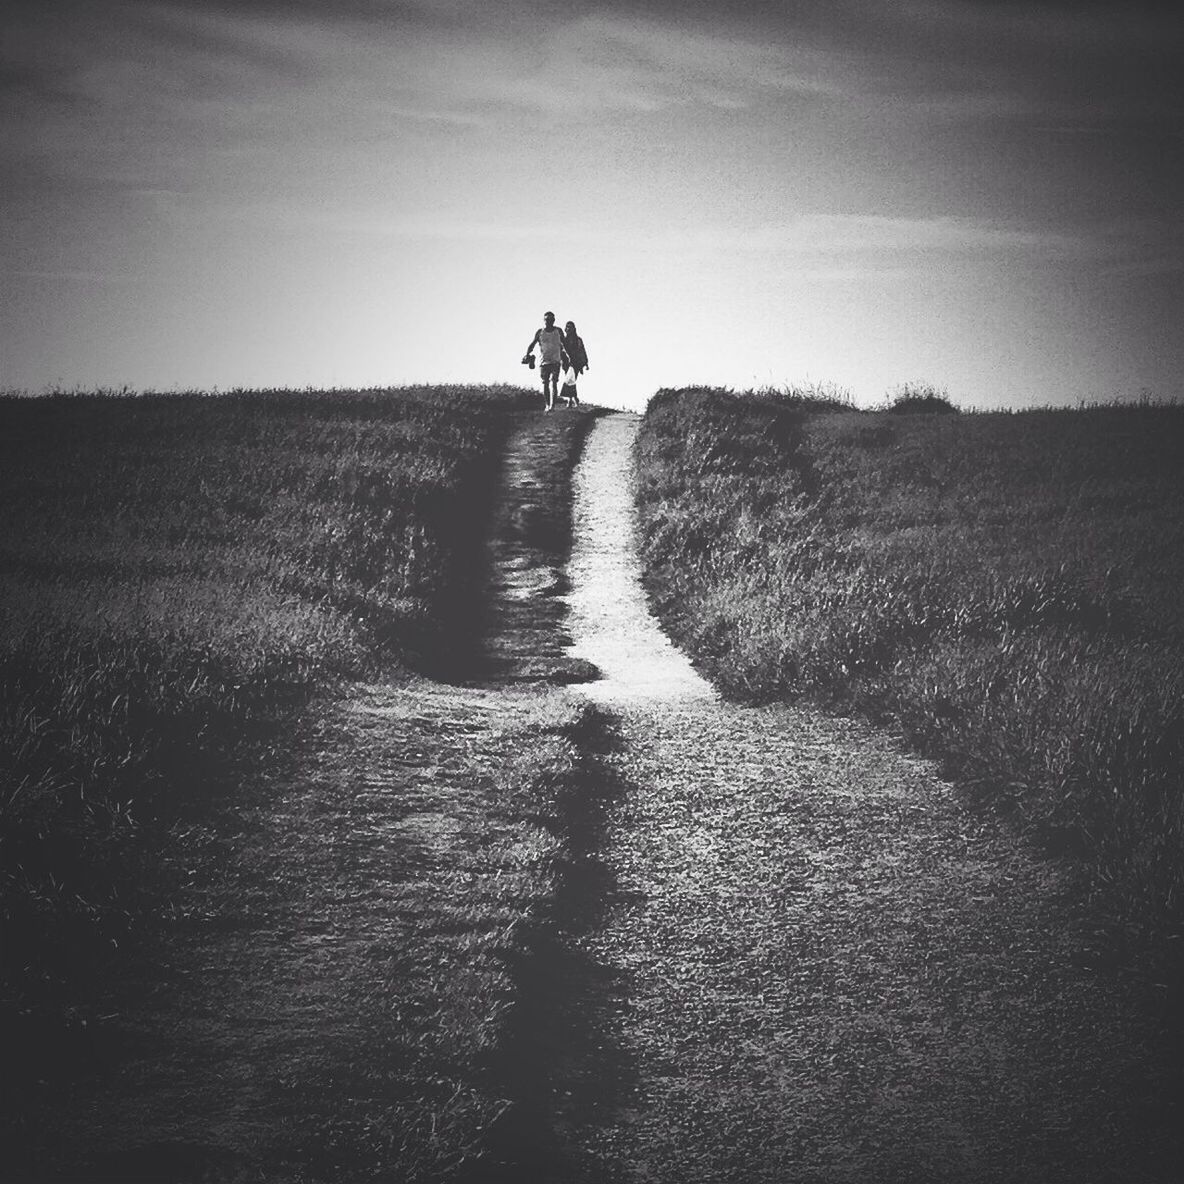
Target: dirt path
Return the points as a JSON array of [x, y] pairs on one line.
[[484, 933], [828, 969]]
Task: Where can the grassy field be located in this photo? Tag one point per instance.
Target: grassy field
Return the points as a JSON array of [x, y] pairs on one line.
[[1007, 590], [173, 570]]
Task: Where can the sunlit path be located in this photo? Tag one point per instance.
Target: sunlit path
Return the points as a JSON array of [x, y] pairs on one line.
[[609, 620]]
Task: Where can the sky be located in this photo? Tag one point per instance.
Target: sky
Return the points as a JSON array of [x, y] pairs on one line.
[[983, 195]]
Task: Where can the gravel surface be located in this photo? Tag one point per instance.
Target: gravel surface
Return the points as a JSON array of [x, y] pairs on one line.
[[828, 968]]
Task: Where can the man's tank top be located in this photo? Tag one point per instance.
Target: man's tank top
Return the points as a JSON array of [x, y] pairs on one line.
[[550, 345]]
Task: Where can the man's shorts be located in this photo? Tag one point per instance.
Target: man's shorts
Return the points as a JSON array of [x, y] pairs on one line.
[[549, 370]]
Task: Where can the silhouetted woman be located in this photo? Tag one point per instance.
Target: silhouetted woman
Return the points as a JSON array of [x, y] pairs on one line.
[[577, 357]]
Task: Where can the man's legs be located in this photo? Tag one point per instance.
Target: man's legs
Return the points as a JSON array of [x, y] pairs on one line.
[[550, 383]]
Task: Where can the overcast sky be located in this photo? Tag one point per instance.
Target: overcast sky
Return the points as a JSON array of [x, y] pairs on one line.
[[985, 195]]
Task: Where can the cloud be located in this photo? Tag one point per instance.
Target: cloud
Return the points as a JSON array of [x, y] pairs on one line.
[[159, 95], [399, 226], [832, 245], [426, 115], [26, 83], [696, 61], [950, 59], [154, 74], [592, 65], [254, 101], [871, 236], [161, 46], [73, 276], [1066, 25], [1144, 246], [1074, 61], [827, 246]]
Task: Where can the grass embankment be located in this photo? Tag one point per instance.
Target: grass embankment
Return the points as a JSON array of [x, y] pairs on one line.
[[172, 570], [1008, 590]]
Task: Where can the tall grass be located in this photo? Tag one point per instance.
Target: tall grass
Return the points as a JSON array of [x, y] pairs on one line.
[[1007, 589], [173, 568]]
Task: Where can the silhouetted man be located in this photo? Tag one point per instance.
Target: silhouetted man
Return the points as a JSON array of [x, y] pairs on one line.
[[552, 357]]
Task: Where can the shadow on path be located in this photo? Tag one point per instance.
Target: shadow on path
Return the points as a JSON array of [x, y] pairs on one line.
[[524, 635], [555, 1063], [558, 1063]]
